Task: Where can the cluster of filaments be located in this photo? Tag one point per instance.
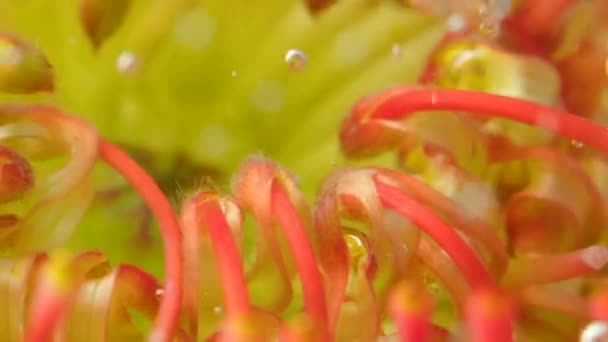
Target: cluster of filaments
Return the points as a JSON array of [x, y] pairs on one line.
[[490, 228]]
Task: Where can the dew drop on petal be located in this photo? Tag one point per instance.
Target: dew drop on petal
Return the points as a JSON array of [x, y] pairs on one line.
[[126, 62], [296, 59], [159, 293], [595, 332]]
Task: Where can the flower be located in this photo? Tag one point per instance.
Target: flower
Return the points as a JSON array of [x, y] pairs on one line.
[[490, 226]]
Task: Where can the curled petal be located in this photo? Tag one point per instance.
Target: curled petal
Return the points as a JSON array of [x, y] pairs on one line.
[[23, 68], [61, 197], [542, 269], [165, 324], [205, 221], [361, 303], [332, 251], [361, 135], [17, 278], [444, 269], [571, 305], [473, 226], [403, 101], [411, 307], [102, 309], [57, 283], [555, 180], [393, 239], [306, 263], [16, 175], [252, 191], [474, 271]]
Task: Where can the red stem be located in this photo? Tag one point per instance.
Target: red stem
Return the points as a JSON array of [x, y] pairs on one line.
[[411, 308], [569, 125], [476, 229], [470, 266], [234, 286], [490, 317], [169, 310], [310, 276]]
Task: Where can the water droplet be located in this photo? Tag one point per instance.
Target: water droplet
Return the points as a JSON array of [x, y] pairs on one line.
[[218, 310], [576, 144], [159, 293], [127, 62], [296, 59], [234, 73], [595, 332], [397, 50], [456, 23]]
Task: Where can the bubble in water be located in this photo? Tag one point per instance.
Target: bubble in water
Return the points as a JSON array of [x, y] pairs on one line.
[[595, 332], [218, 310], [127, 62], [396, 50], [234, 73], [296, 59], [159, 293]]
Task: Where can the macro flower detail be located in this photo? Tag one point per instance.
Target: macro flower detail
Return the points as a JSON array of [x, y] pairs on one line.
[[410, 170], [23, 68]]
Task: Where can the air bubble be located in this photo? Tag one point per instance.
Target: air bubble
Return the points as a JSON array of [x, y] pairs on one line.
[[159, 293], [126, 62], [594, 332], [234, 73], [296, 59], [577, 144]]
